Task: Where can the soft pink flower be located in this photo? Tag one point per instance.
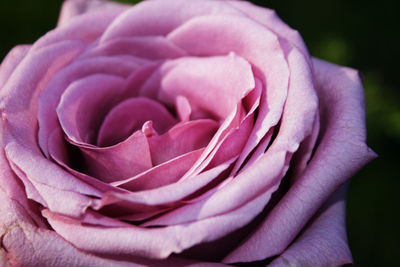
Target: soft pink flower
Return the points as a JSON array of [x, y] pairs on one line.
[[175, 132]]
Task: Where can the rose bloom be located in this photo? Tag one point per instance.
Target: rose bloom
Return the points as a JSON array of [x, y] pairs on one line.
[[175, 133]]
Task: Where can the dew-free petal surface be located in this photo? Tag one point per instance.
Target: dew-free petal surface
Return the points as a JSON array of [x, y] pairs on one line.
[[148, 47], [84, 105], [120, 161], [159, 17], [324, 242], [146, 200], [11, 61], [163, 174], [214, 85], [180, 139], [341, 152], [50, 97], [216, 35], [72, 8], [129, 116], [44, 247], [138, 241]]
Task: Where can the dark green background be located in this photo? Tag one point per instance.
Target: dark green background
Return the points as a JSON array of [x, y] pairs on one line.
[[360, 34]]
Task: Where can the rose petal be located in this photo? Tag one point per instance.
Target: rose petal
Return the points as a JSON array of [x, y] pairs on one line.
[[263, 177], [342, 151], [85, 103], [324, 242], [163, 174], [150, 18], [181, 139], [148, 47], [58, 200], [233, 144], [30, 189], [120, 161], [93, 218], [213, 85], [269, 19], [183, 108], [72, 8], [301, 104], [225, 143], [300, 110], [137, 241], [63, 154], [165, 196], [50, 97], [138, 78], [129, 116], [213, 35], [11, 188], [306, 148], [296, 124], [299, 117], [23, 87], [228, 142], [17, 97], [87, 28], [11, 61], [42, 247]]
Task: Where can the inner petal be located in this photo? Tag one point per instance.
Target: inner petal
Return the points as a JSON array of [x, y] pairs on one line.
[[181, 139], [121, 161], [129, 116], [85, 103], [51, 95], [212, 85], [160, 175]]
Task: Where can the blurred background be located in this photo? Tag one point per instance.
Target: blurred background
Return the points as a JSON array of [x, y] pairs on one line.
[[362, 34]]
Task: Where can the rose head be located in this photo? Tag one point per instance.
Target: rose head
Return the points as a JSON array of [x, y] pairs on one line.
[[174, 133]]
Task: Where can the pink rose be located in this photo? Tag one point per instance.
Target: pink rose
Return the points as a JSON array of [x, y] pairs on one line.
[[175, 133]]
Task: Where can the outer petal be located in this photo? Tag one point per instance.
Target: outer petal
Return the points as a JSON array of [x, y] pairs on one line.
[[86, 28], [73, 8], [19, 100], [11, 61], [139, 241], [324, 243], [160, 17], [270, 19], [342, 152], [11, 187], [25, 244], [148, 47]]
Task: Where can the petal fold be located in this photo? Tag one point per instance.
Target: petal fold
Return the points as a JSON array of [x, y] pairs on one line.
[[324, 242], [212, 85], [84, 105], [342, 151], [72, 8], [129, 116]]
